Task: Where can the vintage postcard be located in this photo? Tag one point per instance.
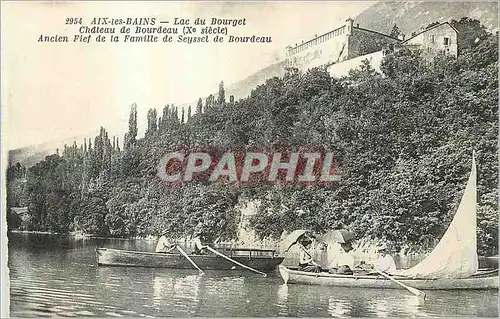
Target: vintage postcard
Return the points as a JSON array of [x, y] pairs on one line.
[[249, 159]]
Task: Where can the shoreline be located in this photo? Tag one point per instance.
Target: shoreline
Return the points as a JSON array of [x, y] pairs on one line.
[[361, 249], [78, 235], [361, 252]]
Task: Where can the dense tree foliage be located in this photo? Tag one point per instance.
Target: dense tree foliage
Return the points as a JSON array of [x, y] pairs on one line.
[[403, 140], [395, 32], [470, 33]]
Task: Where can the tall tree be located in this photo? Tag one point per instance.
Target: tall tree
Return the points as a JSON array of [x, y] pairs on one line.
[[470, 33], [152, 122], [106, 154], [395, 32], [176, 114], [209, 102], [199, 106], [221, 99], [162, 122], [131, 135]]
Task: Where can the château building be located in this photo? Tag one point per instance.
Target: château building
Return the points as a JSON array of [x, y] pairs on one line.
[[341, 44], [345, 47], [438, 39]]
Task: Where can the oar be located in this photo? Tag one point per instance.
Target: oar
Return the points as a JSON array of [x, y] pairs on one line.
[[414, 291], [187, 257], [234, 261]]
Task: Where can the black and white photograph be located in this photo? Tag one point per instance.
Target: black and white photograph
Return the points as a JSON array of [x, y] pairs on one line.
[[255, 159]]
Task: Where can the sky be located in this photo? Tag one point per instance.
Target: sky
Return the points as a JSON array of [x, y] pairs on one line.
[[53, 91]]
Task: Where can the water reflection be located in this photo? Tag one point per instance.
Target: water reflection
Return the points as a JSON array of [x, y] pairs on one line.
[[413, 305], [338, 308], [224, 295], [177, 292], [162, 286], [381, 308], [282, 301]]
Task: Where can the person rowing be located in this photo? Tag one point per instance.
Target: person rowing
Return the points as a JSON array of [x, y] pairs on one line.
[[164, 245], [198, 236], [385, 261]]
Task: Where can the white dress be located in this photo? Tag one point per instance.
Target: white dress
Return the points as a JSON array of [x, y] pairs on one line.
[[164, 245], [386, 263], [345, 259]]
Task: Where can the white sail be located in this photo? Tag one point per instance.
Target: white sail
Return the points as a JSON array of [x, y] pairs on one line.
[[455, 256]]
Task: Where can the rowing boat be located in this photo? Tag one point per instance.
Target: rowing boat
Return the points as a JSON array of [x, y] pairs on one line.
[[260, 259], [452, 264], [480, 280]]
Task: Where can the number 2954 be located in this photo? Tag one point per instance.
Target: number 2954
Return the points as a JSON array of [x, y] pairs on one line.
[[73, 20]]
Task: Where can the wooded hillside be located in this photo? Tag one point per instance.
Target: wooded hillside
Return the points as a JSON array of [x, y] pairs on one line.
[[404, 142]]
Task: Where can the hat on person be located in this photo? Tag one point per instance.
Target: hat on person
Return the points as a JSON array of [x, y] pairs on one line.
[[305, 240], [382, 247], [346, 246]]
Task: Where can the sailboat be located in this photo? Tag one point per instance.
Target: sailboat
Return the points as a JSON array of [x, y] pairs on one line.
[[453, 263]]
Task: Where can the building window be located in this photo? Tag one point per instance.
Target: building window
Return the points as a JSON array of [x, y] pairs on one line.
[[447, 41], [433, 39]]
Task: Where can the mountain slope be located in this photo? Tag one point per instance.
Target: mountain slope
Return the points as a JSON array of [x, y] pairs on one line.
[[411, 16], [30, 155], [242, 88]]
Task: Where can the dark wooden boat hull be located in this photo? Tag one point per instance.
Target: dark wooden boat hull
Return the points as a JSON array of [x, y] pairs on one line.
[[130, 258], [488, 262], [481, 281]]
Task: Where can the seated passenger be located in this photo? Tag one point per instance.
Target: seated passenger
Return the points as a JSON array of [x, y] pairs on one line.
[[364, 268], [344, 264], [306, 262]]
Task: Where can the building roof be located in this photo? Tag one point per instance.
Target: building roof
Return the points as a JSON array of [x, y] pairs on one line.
[[433, 27], [338, 28], [376, 32], [316, 37]]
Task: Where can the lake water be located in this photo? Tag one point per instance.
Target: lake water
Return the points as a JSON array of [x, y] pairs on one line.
[[57, 275]]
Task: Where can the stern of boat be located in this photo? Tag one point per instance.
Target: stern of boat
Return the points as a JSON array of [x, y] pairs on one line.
[[98, 253], [284, 273]]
